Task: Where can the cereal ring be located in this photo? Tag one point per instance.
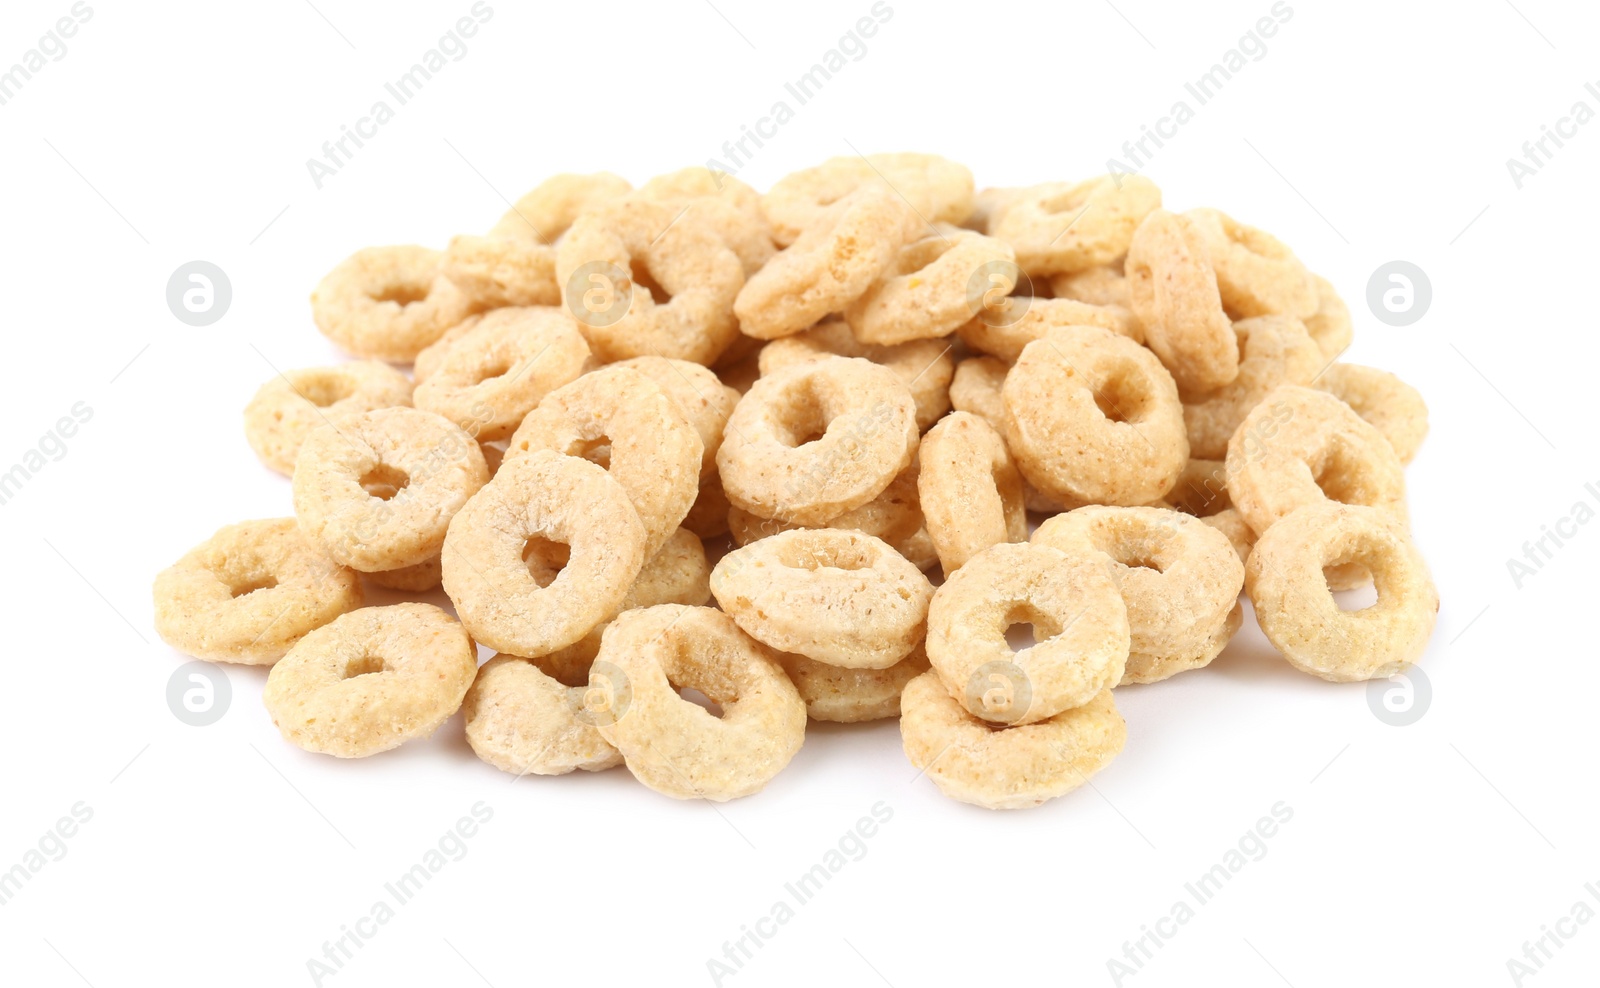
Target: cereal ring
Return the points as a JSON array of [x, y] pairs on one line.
[[677, 574], [638, 433], [523, 721], [1015, 321], [1231, 523], [371, 680], [725, 204], [1103, 284], [1079, 620], [1330, 324], [377, 490], [409, 579], [969, 490], [975, 388], [1256, 274], [925, 292], [708, 517], [287, 408], [1301, 446], [705, 401], [675, 746], [1202, 488], [643, 280], [815, 440], [1179, 579], [1274, 350], [934, 189], [831, 265], [1092, 416], [498, 271], [1008, 769], [1173, 290], [851, 696], [536, 499], [387, 303], [1394, 407], [893, 516], [1061, 226], [249, 592], [544, 214], [499, 370], [925, 365], [1284, 579]]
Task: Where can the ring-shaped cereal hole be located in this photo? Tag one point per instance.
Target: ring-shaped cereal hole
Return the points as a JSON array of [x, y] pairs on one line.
[[371, 680], [1392, 406], [925, 365], [249, 592], [542, 215], [293, 404], [1298, 614], [1179, 579], [1093, 417], [852, 696], [626, 423], [674, 745], [929, 287], [1008, 768], [377, 490], [1005, 331], [542, 497], [1274, 350], [975, 387], [1173, 293], [893, 516], [388, 303], [833, 595], [830, 266], [497, 372], [1080, 627], [1301, 446], [1063, 226], [704, 400], [1257, 274], [815, 440], [1202, 488], [521, 720], [1329, 326], [498, 271], [934, 189], [969, 489], [727, 205]]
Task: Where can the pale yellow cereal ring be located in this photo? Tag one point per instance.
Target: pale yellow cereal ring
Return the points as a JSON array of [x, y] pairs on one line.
[[522, 721], [1173, 290], [1202, 488], [1079, 620], [1330, 324], [249, 592], [1015, 321], [290, 406], [705, 401], [388, 303], [928, 288], [377, 490], [1274, 350], [1297, 613], [725, 204], [497, 271], [933, 189], [1394, 407], [499, 370], [1093, 417], [893, 516], [427, 362], [852, 696], [837, 596], [673, 745], [975, 387], [544, 214], [814, 440], [371, 680], [1256, 274], [1009, 769], [969, 490], [409, 579], [1062, 226], [925, 365]]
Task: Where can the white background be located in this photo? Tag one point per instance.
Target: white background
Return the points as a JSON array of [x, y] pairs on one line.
[[221, 855]]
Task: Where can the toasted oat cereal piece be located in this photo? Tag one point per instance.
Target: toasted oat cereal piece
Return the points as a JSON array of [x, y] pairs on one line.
[[969, 490], [249, 592], [724, 203], [498, 271], [287, 408], [1275, 350], [427, 362], [409, 579], [708, 516], [388, 303], [673, 745], [893, 516], [812, 441], [371, 680], [851, 696], [1257, 275], [1104, 284], [705, 401], [1301, 446], [1180, 580], [377, 490], [1297, 613], [523, 721], [544, 214], [499, 370], [931, 287], [975, 387], [505, 534], [1011, 768], [1202, 488], [933, 189], [677, 574], [1062, 226], [1092, 416], [840, 597], [1231, 523], [1079, 621], [1394, 407], [1330, 324], [925, 365], [1173, 289]]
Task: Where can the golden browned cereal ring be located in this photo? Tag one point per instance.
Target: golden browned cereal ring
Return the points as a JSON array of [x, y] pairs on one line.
[[722, 202], [388, 303], [1079, 620], [708, 517], [1009, 769], [851, 696], [925, 365], [497, 372], [1330, 324], [291, 405], [1202, 488], [933, 189], [522, 721], [812, 441], [1093, 417], [1174, 293], [498, 271], [1256, 274], [675, 746], [377, 490], [371, 680], [927, 289], [975, 388], [1061, 226], [893, 516], [249, 592], [409, 579], [544, 214], [537, 499], [705, 401], [1297, 613], [1394, 407], [1274, 350], [969, 490]]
